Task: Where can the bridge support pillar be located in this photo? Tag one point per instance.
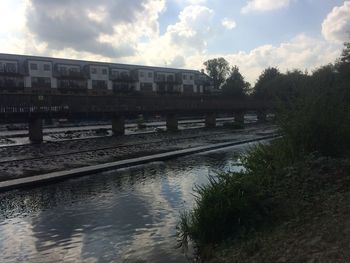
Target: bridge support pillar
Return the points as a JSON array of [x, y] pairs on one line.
[[210, 120], [171, 122], [261, 115], [118, 125], [35, 126], [239, 117]]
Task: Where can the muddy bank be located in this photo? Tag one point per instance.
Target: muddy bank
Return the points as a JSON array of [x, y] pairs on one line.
[[28, 160]]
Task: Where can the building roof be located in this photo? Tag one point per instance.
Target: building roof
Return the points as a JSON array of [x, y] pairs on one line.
[[82, 63]]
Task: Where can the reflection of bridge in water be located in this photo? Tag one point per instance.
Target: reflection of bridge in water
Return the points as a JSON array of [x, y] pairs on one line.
[[32, 108]]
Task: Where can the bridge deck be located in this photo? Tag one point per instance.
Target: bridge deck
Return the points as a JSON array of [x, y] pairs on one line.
[[26, 105]]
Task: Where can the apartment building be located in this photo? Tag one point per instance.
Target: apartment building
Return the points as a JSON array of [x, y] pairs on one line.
[[54, 75], [10, 77]]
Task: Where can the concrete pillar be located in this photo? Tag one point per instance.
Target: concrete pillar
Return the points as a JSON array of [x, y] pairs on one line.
[[210, 120], [118, 125], [35, 130], [239, 117], [171, 122], [261, 115]]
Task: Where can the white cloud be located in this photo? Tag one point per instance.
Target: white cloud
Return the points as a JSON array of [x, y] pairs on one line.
[[336, 27], [190, 2], [188, 36], [228, 23], [264, 5], [111, 29], [183, 44], [193, 27], [301, 52]]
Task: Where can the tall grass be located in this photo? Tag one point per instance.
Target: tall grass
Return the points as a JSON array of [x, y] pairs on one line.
[[234, 204]]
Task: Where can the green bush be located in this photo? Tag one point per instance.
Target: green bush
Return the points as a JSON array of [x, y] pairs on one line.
[[232, 204], [319, 121], [315, 121]]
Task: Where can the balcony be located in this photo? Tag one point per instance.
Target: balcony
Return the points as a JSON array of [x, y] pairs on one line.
[[99, 85], [203, 82], [121, 78], [38, 85], [13, 72], [11, 85], [65, 85], [63, 74], [167, 79]]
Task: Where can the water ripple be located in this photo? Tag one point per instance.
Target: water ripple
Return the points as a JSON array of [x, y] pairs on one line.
[[118, 216]]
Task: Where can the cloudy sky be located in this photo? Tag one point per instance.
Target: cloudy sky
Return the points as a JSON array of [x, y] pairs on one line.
[[252, 34]]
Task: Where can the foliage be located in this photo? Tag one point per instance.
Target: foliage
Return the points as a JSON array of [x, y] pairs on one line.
[[315, 121], [319, 121], [235, 85], [282, 88], [264, 81], [343, 64], [217, 69], [345, 56], [234, 204]]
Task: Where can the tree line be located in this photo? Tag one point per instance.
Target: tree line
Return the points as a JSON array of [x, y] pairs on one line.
[[281, 179], [272, 84]]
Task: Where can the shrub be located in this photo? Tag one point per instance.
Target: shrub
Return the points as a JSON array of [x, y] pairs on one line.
[[319, 121], [232, 204]]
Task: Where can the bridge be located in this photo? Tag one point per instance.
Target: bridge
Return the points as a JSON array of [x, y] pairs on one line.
[[33, 108]]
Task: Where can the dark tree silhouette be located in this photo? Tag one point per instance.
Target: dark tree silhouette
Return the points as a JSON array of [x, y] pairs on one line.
[[217, 69], [265, 82], [235, 85]]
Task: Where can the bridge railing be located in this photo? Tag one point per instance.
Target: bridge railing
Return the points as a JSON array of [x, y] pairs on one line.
[[31, 103]]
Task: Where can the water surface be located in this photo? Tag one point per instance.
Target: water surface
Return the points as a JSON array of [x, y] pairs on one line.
[[128, 215]]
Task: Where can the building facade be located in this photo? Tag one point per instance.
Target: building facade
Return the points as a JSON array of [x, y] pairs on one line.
[[21, 73]]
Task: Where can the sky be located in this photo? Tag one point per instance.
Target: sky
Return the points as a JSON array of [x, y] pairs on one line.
[[252, 34]]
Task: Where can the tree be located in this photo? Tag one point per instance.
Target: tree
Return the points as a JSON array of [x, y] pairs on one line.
[[264, 82], [345, 55], [235, 85], [343, 63], [217, 69]]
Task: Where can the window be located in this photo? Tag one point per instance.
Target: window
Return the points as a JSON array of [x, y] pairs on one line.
[[148, 87], [191, 77], [33, 66], [116, 74], [142, 74], [93, 70], [184, 76], [104, 71], [150, 74], [47, 67], [39, 82], [11, 67], [99, 85], [62, 69], [160, 76], [124, 74]]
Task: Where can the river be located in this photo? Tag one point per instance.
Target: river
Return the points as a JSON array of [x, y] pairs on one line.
[[128, 215]]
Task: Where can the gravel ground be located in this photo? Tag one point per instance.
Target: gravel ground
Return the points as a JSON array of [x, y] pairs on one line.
[[28, 160]]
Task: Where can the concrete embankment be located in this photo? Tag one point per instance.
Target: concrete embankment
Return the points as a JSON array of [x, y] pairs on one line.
[[61, 175]]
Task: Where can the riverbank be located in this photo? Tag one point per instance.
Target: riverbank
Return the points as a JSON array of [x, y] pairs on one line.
[[317, 227], [30, 160]]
